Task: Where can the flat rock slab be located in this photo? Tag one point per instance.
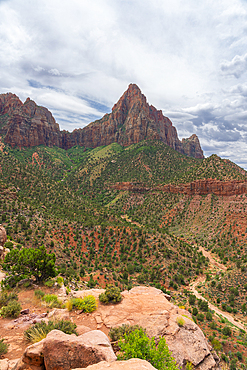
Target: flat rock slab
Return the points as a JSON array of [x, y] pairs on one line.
[[149, 308], [132, 364]]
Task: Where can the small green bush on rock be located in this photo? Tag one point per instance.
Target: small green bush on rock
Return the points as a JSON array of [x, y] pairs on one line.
[[119, 332], [180, 321], [112, 295], [137, 345]]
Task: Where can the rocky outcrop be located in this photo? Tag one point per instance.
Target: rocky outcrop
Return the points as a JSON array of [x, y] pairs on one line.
[[197, 187], [60, 351], [191, 147], [31, 125], [7, 364], [132, 120], [3, 236], [144, 306], [132, 364], [209, 186], [149, 308], [9, 103]]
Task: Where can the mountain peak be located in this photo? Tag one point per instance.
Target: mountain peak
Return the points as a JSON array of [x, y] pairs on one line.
[[132, 95], [132, 120]]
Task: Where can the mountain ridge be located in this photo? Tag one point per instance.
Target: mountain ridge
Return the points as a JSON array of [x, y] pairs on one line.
[[132, 120]]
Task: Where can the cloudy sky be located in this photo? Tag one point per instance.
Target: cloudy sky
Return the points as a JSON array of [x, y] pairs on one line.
[[77, 57]]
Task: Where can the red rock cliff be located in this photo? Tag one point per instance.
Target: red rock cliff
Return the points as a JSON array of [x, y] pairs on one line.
[[28, 124], [197, 187], [132, 120]]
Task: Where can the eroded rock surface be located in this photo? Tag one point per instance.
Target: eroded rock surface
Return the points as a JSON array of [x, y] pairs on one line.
[[148, 307], [60, 351], [3, 236], [132, 364], [197, 187]]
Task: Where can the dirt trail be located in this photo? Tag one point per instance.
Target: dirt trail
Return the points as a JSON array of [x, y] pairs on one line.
[[201, 279], [211, 259]]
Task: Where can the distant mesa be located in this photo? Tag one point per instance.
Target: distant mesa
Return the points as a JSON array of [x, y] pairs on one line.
[[132, 120]]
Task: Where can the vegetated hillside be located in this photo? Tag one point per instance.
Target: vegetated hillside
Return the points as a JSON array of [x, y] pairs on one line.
[[101, 234], [87, 237]]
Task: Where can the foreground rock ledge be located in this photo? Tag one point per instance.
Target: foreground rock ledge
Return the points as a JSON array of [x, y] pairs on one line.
[[149, 308], [132, 364], [60, 351]]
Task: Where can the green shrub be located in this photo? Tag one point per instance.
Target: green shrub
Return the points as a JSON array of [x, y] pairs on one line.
[[49, 298], [209, 316], [203, 305], [137, 345], [189, 366], [213, 325], [69, 305], [49, 283], [5, 298], [9, 245], [180, 321], [91, 283], [216, 344], [60, 281], [200, 316], [224, 357], [192, 299], [12, 309], [87, 304], [119, 332], [52, 301], [227, 331], [3, 347], [239, 356], [77, 303], [194, 311], [39, 293], [40, 330], [28, 262], [112, 295]]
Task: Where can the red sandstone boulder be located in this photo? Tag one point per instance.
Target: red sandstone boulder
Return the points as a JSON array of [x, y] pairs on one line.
[[63, 351], [132, 364], [60, 351]]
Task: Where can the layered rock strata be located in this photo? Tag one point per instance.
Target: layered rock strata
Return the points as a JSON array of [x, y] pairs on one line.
[[132, 120], [197, 187]]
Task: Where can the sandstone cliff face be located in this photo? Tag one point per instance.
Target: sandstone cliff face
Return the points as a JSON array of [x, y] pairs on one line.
[[31, 125], [8, 103], [198, 187], [132, 120], [209, 186]]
